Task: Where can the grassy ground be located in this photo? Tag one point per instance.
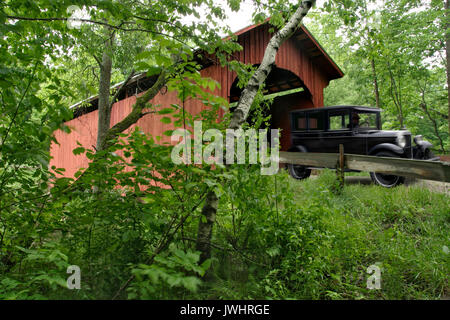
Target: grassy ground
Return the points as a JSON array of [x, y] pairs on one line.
[[404, 230]]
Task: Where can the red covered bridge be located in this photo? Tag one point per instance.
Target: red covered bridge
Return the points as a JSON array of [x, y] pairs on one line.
[[301, 63]]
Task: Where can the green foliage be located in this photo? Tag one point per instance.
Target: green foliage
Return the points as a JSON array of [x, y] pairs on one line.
[[163, 278], [46, 274], [320, 244], [132, 216], [46, 66], [400, 44]]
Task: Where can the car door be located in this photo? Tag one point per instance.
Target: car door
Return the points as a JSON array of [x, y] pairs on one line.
[[316, 126], [339, 132]]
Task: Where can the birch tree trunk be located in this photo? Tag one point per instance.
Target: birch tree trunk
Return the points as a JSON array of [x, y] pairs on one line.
[[240, 116]]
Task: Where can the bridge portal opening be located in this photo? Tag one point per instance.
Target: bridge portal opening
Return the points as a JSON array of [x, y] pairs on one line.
[[287, 92]]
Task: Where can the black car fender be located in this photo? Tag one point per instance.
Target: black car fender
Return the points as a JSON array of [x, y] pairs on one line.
[[424, 145], [387, 146]]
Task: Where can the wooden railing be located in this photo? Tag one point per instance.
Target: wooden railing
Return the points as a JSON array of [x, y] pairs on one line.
[[429, 170]]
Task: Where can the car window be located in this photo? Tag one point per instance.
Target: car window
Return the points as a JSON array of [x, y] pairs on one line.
[[339, 121], [300, 121], [315, 120], [367, 120]]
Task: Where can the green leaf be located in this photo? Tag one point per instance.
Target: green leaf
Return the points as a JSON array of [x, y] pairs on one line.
[[78, 150], [152, 70], [168, 133], [166, 120], [166, 111]]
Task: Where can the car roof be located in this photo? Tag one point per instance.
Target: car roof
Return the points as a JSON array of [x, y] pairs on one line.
[[356, 108]]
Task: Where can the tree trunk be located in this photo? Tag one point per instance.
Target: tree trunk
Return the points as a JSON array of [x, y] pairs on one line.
[[241, 113], [137, 111], [396, 96], [424, 107], [447, 50], [105, 134], [205, 227], [104, 110], [375, 83]]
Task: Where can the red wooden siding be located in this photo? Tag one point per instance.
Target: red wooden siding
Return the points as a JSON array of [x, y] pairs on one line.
[[290, 56]]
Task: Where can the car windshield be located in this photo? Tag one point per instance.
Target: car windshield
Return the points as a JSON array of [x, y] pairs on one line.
[[364, 120]]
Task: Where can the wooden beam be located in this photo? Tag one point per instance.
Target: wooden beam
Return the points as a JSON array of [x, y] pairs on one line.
[[422, 169], [326, 160]]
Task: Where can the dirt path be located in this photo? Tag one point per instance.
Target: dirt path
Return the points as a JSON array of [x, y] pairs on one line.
[[435, 186]]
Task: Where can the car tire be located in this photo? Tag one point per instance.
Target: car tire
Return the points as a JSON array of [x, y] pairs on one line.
[[298, 172], [386, 180]]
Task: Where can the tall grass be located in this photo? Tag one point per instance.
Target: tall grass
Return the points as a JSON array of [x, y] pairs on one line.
[[404, 231]]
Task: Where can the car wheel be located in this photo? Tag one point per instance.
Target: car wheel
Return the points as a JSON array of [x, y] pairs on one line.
[[298, 172], [386, 180]]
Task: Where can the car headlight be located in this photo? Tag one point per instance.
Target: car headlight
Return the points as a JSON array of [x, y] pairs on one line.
[[401, 141]]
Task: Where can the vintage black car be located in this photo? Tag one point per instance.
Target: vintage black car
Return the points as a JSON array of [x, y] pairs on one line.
[[359, 130]]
